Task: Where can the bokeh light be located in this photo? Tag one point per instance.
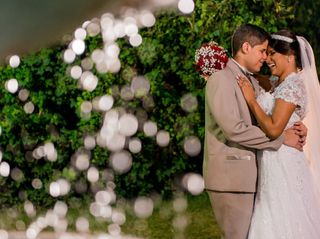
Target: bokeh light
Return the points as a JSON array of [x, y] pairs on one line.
[[186, 6], [12, 85], [192, 146], [64, 186], [89, 142], [131, 28], [128, 125], [135, 145], [114, 230], [29, 209], [112, 50], [60, 209], [78, 46], [140, 86], [23, 94], [119, 29], [82, 224], [126, 93], [121, 161], [87, 64], [93, 29], [163, 138], [150, 128], [14, 61], [36, 183], [147, 18], [103, 103], [180, 204], [189, 103], [118, 217], [93, 174], [4, 169], [143, 207], [82, 161], [193, 183], [180, 222], [86, 107], [54, 189], [16, 174], [115, 142], [28, 107], [76, 72], [69, 56], [135, 40], [103, 198], [88, 81], [80, 34]]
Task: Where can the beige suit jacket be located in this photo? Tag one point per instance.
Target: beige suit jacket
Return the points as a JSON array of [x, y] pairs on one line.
[[231, 140]]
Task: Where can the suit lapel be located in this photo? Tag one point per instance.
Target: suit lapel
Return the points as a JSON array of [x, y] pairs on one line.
[[236, 70]]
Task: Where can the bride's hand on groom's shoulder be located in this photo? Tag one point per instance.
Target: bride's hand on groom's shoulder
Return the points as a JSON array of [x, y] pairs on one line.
[[246, 88]]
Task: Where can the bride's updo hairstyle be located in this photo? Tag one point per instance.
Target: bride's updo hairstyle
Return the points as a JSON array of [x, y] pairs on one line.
[[285, 42]]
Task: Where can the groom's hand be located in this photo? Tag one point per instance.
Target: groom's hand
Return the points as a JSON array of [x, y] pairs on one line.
[[300, 128], [292, 139]]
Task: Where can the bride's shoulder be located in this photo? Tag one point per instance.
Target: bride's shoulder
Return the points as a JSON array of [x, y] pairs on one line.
[[292, 81], [292, 89], [294, 77]]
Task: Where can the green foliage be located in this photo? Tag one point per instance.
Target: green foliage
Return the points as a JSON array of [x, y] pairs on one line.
[[306, 23], [165, 57]]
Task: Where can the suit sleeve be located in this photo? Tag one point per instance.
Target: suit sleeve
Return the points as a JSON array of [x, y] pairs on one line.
[[225, 109]]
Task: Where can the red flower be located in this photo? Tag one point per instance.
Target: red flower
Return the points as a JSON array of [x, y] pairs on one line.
[[210, 57]]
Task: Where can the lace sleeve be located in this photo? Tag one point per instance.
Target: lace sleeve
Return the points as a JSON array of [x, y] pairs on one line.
[[292, 90]]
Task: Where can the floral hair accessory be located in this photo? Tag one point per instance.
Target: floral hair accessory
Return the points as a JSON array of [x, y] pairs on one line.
[[209, 58]]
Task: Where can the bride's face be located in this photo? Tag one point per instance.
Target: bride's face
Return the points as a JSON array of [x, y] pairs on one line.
[[277, 62]]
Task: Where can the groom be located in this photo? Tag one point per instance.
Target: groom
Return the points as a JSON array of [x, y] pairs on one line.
[[232, 137]]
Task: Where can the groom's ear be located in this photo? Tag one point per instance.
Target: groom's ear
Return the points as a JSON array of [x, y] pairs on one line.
[[245, 47]]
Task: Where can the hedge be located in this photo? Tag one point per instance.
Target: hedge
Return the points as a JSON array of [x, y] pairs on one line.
[[165, 58]]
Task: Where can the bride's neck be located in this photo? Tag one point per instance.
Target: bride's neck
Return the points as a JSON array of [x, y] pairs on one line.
[[285, 74]]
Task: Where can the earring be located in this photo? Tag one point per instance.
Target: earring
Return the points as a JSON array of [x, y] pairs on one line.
[[288, 59]]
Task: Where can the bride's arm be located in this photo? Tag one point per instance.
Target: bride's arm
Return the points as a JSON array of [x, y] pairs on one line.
[[274, 124]]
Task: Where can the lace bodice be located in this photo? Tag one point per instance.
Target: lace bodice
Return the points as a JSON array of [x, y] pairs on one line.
[[291, 90]]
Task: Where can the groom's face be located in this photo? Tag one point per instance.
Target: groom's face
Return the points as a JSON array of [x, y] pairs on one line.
[[256, 56]]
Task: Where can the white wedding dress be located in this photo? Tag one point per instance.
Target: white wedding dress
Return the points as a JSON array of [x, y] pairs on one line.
[[287, 205]]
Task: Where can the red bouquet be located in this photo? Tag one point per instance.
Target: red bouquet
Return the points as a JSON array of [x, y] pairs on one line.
[[210, 57]]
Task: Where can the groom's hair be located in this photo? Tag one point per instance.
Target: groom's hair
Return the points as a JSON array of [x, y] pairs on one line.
[[252, 34]]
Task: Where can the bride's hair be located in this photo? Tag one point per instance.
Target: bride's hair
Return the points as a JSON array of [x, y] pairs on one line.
[[285, 42]]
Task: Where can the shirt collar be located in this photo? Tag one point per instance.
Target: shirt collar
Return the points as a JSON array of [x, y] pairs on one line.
[[242, 67]]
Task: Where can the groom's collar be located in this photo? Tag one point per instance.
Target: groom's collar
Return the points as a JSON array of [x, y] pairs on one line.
[[242, 68]]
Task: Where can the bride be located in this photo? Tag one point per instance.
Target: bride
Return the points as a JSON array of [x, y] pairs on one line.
[[287, 205]]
